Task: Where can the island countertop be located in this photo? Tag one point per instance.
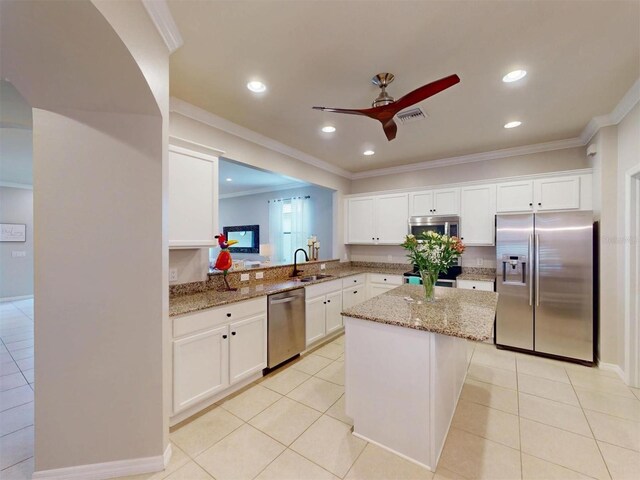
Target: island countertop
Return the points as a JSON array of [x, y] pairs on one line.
[[456, 312]]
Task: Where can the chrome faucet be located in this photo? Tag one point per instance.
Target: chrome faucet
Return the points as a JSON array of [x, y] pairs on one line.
[[295, 261]]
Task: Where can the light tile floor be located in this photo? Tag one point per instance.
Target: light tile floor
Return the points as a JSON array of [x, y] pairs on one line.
[[16, 389], [519, 417]]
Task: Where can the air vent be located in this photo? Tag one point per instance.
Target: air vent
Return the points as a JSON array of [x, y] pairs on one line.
[[411, 115]]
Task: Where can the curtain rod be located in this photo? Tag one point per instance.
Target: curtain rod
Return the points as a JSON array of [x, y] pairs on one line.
[[290, 198]]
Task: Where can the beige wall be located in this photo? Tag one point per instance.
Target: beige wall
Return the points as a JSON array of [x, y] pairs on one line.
[[244, 151], [16, 273], [100, 288], [554, 161], [618, 149]]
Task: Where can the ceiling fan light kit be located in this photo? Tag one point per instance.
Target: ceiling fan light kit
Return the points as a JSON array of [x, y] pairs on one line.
[[385, 107]]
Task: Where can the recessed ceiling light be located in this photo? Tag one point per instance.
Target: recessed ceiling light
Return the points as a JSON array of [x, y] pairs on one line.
[[257, 87], [328, 129], [368, 152], [229, 179], [514, 76], [512, 124]]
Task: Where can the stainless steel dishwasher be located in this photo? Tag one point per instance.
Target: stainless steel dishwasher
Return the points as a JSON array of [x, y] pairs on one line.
[[286, 320]]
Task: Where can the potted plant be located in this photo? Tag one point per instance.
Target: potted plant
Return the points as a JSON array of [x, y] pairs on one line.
[[433, 254]]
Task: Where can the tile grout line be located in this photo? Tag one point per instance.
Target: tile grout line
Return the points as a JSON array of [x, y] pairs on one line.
[[590, 427]]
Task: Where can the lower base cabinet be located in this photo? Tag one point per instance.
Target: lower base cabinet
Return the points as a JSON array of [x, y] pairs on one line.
[[353, 296], [323, 315], [475, 285], [379, 283], [200, 366], [218, 353]]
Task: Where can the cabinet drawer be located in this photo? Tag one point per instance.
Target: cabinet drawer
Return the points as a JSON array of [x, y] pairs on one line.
[[194, 322], [313, 291], [475, 285], [353, 281], [385, 279]]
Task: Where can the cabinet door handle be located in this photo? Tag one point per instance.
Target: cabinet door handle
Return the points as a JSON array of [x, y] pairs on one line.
[[224, 336], [474, 287], [355, 281], [531, 204], [324, 303], [355, 291], [539, 204], [228, 315], [385, 279], [233, 333], [328, 301]]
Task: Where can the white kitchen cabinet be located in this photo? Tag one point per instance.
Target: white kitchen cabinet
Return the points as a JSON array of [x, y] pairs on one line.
[[323, 306], [193, 198], [477, 215], [379, 283], [514, 196], [248, 347], [361, 227], [353, 296], [475, 285], [333, 319], [215, 348], [200, 366], [443, 201], [377, 220], [556, 193], [315, 319], [392, 218]]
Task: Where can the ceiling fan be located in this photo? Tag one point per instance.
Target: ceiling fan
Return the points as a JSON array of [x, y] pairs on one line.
[[384, 107]]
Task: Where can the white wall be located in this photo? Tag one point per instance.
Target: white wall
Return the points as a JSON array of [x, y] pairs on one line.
[[16, 273], [554, 161], [100, 288], [254, 210]]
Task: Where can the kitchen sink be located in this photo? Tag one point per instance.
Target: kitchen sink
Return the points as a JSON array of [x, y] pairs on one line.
[[313, 278]]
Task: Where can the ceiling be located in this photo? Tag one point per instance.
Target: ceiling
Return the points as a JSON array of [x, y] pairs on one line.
[[581, 58], [16, 136], [248, 179]]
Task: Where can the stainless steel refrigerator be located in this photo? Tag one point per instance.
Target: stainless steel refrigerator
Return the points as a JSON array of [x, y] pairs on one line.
[[545, 281]]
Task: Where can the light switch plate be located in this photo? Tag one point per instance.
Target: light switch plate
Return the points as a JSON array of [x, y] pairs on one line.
[[259, 275], [173, 274], [244, 277], [323, 266], [479, 262]]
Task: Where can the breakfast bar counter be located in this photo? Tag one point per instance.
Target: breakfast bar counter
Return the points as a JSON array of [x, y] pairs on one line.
[[406, 364]]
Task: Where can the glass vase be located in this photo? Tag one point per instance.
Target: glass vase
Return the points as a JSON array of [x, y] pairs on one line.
[[429, 282]]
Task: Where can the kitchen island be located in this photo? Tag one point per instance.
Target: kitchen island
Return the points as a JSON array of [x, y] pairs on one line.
[[406, 364]]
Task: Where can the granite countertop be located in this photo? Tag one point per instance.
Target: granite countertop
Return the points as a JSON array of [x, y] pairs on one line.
[[456, 312], [477, 277], [182, 304]]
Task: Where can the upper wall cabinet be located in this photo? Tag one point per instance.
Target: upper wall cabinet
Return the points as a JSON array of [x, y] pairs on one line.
[[515, 196], [435, 202], [193, 198], [477, 215], [552, 193], [377, 220]]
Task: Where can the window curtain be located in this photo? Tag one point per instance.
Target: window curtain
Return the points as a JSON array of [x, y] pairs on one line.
[[289, 226]]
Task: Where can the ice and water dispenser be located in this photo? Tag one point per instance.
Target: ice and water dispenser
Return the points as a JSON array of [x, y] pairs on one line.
[[514, 269]]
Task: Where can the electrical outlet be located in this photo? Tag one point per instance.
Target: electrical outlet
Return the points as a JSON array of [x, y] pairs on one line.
[[244, 277], [18, 253], [323, 266], [259, 275], [173, 274], [479, 262]]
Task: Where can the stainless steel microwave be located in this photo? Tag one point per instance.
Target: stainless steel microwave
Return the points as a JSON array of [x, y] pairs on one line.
[[442, 225]]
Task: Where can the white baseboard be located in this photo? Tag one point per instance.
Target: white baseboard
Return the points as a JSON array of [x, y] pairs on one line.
[[614, 368], [384, 447], [13, 299], [103, 471]]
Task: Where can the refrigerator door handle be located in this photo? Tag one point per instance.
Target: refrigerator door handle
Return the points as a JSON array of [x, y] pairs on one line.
[[537, 270], [530, 267]]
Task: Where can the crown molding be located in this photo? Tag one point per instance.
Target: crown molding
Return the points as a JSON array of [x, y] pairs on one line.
[[471, 158], [288, 186], [203, 116], [626, 103], [161, 17]]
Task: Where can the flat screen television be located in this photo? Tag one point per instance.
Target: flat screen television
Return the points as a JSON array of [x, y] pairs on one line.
[[248, 237]]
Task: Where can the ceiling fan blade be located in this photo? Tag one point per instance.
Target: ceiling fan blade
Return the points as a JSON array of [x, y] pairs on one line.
[[390, 129], [424, 92], [350, 111]]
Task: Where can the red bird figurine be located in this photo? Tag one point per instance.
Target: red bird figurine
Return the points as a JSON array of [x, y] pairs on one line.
[[224, 261]]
